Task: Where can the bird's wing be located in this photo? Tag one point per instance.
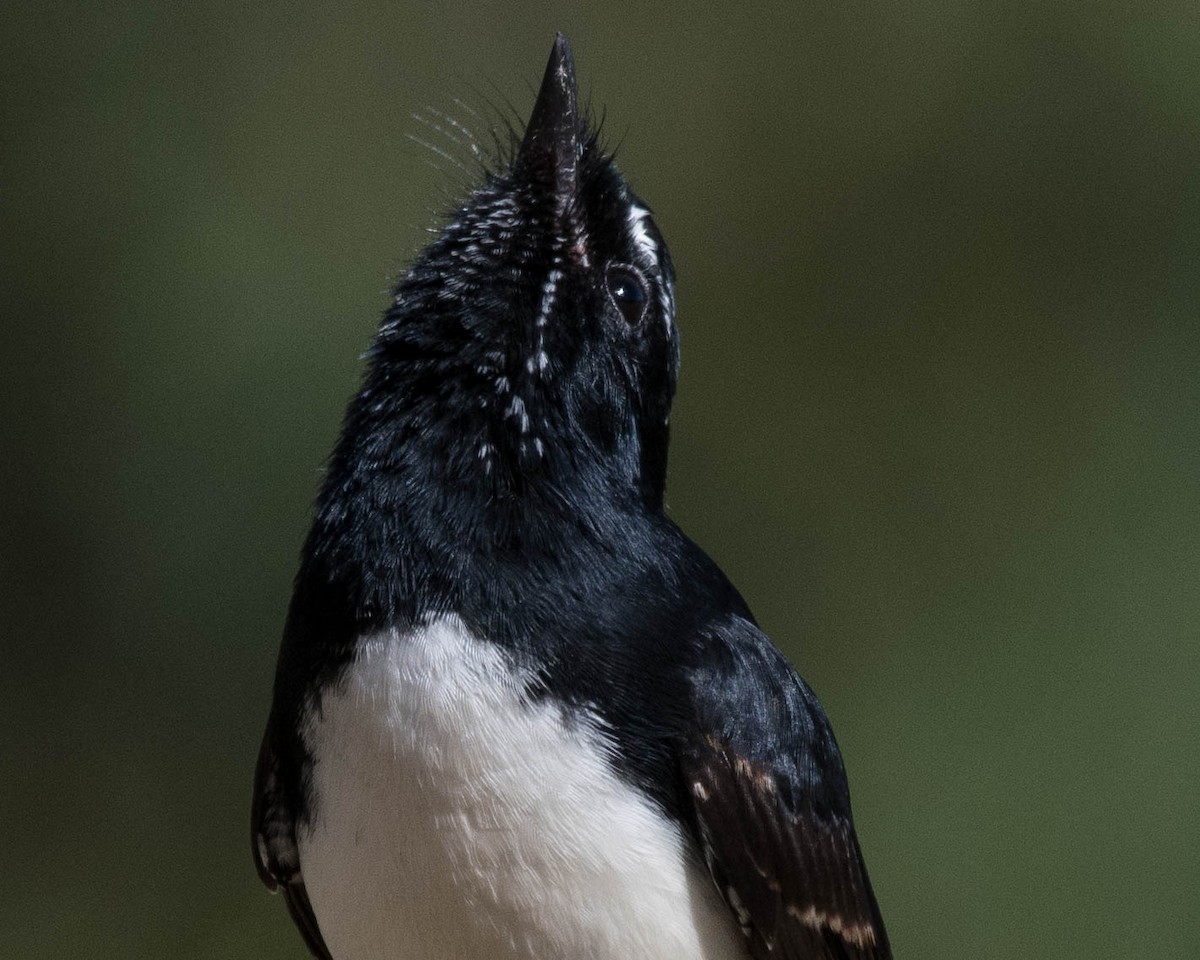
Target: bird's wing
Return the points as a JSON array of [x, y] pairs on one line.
[[276, 855], [765, 794]]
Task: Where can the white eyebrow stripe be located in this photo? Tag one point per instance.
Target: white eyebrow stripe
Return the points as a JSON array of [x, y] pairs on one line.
[[641, 236], [645, 243]]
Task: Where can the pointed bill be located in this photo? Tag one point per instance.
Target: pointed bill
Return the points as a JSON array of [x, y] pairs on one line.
[[550, 147]]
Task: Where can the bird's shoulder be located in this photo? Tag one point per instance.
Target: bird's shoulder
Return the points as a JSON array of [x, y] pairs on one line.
[[764, 792]]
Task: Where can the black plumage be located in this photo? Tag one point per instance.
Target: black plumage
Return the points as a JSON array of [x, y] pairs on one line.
[[504, 461]]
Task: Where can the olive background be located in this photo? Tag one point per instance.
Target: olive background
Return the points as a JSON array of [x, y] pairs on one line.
[[938, 292]]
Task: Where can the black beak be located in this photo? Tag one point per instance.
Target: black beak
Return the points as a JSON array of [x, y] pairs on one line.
[[550, 147]]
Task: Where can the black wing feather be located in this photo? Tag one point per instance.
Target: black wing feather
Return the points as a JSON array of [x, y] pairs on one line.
[[766, 795], [276, 855]]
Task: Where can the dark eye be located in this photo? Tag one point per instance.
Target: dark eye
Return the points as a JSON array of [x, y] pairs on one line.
[[627, 288]]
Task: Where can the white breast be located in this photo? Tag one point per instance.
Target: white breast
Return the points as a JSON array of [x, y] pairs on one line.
[[455, 820]]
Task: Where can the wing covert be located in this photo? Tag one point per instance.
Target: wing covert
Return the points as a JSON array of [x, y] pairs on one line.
[[766, 796]]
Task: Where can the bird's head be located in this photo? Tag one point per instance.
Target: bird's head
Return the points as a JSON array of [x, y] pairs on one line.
[[532, 345]]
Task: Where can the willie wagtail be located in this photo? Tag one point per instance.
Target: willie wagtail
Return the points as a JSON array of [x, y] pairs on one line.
[[518, 713]]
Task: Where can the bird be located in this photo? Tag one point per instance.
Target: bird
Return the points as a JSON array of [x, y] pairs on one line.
[[517, 712]]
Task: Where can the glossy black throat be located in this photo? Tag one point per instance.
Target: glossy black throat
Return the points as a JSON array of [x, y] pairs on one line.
[[505, 458]]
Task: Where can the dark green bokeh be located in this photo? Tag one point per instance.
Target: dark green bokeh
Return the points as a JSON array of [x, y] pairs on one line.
[[938, 420]]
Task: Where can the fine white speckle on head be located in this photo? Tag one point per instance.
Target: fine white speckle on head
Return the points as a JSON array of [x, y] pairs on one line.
[[537, 363], [549, 288], [516, 409]]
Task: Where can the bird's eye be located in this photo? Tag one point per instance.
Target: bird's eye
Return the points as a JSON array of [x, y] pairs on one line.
[[628, 292]]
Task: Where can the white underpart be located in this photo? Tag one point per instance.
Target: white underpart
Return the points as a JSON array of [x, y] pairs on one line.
[[649, 249], [454, 819]]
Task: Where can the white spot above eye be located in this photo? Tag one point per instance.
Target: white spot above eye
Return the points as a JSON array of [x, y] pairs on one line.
[[640, 235], [637, 218]]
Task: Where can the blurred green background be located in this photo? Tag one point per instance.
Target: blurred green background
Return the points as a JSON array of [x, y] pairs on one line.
[[938, 419]]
